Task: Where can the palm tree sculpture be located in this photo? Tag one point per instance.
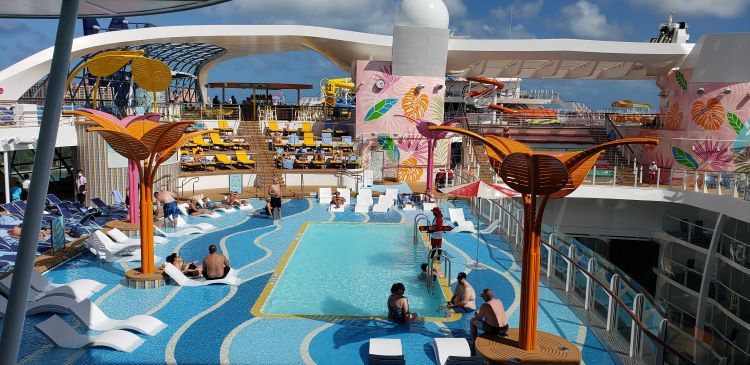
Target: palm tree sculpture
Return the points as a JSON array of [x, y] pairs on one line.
[[423, 126], [149, 144], [537, 175]]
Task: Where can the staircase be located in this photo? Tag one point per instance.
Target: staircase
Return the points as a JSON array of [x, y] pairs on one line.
[[265, 164], [625, 172], [486, 172]]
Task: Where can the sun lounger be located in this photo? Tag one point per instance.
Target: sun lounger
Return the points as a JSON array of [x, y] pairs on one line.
[[121, 238], [180, 233], [62, 334], [94, 318], [346, 194], [324, 196], [182, 280], [50, 304], [384, 203], [461, 224], [40, 287], [202, 226], [449, 347], [333, 209], [100, 242], [427, 207], [385, 351]]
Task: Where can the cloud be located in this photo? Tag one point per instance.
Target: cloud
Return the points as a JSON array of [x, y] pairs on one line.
[[583, 19], [456, 8], [363, 16], [722, 9], [520, 10]]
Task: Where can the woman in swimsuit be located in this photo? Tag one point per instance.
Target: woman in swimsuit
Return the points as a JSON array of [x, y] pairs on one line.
[[398, 305], [189, 269]]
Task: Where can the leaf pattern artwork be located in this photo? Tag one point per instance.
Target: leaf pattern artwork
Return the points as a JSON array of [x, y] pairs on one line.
[[388, 78], [414, 103], [680, 77], [709, 115], [386, 143], [743, 139], [408, 172], [714, 154], [379, 109], [437, 109], [413, 146], [674, 118], [742, 162], [683, 158], [647, 133], [735, 122], [442, 151]]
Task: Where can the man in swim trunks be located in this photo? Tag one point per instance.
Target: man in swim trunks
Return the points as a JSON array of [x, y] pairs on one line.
[[464, 298], [491, 316], [337, 200], [215, 265], [274, 191], [169, 204]]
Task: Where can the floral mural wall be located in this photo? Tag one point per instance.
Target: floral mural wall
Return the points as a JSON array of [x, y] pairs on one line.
[[704, 127], [389, 108]]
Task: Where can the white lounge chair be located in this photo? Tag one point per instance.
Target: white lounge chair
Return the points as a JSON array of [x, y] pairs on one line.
[[40, 287], [447, 347], [364, 201], [180, 233], [180, 222], [101, 245], [385, 351], [392, 193], [340, 209], [427, 207], [182, 280], [346, 194], [121, 238], [62, 334], [456, 215], [324, 196], [93, 318], [384, 203], [49, 304]]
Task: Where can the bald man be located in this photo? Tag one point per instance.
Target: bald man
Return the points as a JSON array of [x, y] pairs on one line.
[[490, 318]]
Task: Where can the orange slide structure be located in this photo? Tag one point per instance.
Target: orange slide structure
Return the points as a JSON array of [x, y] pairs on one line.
[[524, 113]]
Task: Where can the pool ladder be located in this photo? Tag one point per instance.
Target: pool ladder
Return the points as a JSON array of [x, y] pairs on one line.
[[418, 219], [431, 284]]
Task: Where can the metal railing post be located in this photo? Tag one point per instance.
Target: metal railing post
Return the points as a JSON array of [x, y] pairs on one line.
[[635, 175], [640, 175], [593, 178], [735, 192], [663, 325], [684, 180], [705, 181], [614, 287], [570, 274], [589, 298], [635, 331], [658, 176], [718, 184], [614, 176], [550, 257]]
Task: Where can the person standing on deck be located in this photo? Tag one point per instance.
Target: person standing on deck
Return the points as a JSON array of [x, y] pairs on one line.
[[81, 187], [436, 232], [274, 191]]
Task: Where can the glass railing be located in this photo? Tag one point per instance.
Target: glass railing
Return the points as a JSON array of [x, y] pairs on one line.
[[687, 231], [732, 301], [735, 250], [681, 274], [615, 298]]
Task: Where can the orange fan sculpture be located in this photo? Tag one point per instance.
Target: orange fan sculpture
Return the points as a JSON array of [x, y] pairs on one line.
[[537, 175], [150, 144]]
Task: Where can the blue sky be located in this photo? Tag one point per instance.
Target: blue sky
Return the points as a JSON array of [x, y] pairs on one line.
[[626, 20]]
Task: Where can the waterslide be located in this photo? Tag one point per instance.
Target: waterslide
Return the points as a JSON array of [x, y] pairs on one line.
[[331, 89], [523, 113]]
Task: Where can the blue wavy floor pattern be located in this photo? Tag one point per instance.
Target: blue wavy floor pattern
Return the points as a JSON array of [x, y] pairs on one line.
[[214, 324]]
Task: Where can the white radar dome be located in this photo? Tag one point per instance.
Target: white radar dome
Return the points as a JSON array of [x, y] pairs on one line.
[[422, 13]]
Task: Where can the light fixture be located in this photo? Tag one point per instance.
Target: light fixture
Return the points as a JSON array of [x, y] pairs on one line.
[[700, 91], [25, 140], [727, 91], [380, 84], [7, 141], [437, 88], [418, 89]]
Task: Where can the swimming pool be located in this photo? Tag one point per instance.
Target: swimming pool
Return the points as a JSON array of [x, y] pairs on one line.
[[345, 269]]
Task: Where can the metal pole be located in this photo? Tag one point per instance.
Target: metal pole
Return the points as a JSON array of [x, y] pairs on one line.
[[19, 291], [6, 176]]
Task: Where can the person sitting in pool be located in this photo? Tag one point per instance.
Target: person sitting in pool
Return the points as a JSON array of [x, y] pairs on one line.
[[427, 272], [464, 298], [215, 265], [490, 317], [234, 199], [398, 305], [337, 199], [187, 268]]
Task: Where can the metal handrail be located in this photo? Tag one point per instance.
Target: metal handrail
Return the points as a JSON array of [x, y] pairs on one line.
[[195, 179], [431, 268], [621, 303], [418, 218]]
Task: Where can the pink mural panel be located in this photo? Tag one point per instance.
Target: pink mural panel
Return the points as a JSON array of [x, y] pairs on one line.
[[705, 126], [387, 106]]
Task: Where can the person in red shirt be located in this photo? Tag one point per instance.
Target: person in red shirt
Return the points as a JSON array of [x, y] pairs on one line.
[[436, 232]]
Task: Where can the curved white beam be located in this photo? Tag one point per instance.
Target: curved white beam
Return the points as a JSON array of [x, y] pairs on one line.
[[520, 58]]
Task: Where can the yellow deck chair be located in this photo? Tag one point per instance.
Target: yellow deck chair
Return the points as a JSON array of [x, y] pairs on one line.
[[224, 126], [306, 127], [225, 160], [217, 142], [309, 140], [198, 141], [273, 126], [242, 158]]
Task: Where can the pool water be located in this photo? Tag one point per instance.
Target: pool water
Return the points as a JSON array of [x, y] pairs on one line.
[[345, 269]]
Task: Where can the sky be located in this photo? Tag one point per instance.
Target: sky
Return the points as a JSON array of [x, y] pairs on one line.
[[623, 20]]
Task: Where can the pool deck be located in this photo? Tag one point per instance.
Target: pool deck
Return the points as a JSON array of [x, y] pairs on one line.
[[215, 324]]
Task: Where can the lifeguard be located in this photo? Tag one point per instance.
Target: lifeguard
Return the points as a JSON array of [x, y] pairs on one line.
[[436, 232]]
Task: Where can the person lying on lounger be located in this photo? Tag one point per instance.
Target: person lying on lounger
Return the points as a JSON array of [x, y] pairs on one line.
[[234, 199], [188, 268], [15, 232], [208, 204], [195, 209], [405, 201], [215, 265], [337, 200]]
